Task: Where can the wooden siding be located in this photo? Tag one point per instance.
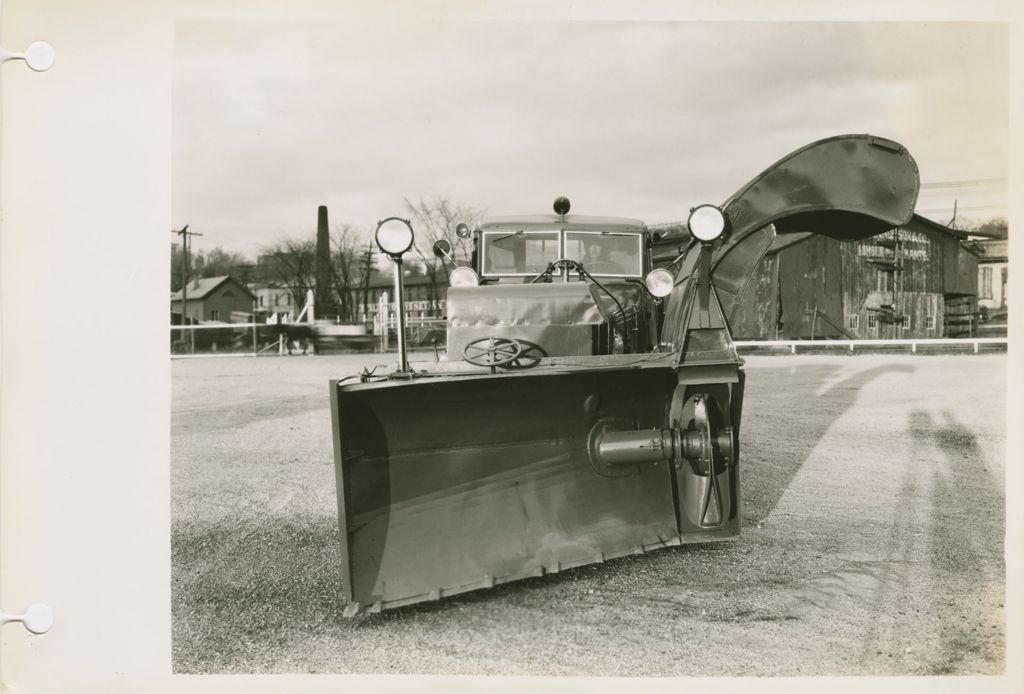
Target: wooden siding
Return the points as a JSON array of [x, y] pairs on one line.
[[810, 285], [757, 310], [846, 284]]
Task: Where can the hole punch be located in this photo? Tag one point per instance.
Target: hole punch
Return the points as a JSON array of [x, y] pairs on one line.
[[39, 56], [37, 619]]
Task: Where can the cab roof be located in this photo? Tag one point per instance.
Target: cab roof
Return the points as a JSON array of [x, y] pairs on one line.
[[571, 222]]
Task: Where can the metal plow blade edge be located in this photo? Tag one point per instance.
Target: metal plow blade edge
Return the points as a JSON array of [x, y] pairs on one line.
[[451, 484]]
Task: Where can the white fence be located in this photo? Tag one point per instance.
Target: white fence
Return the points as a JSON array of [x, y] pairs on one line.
[[255, 339], [851, 345]]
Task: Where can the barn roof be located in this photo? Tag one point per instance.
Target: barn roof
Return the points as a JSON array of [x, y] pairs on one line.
[[916, 223], [934, 226]]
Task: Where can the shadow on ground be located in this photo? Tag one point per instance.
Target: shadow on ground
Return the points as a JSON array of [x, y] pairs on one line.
[[775, 441]]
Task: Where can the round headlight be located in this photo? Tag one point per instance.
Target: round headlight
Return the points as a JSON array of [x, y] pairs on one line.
[[462, 230], [706, 223], [394, 236], [659, 282], [463, 277]]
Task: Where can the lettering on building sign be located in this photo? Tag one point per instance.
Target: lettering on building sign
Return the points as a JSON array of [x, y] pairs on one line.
[[916, 246], [415, 306]]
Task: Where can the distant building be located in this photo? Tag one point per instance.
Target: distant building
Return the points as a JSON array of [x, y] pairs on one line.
[[918, 280], [993, 271], [221, 299], [993, 278], [423, 299], [273, 297]]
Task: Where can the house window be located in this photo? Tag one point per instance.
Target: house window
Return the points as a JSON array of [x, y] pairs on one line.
[[885, 280], [985, 283], [261, 301], [214, 314], [872, 321], [852, 322], [930, 322]]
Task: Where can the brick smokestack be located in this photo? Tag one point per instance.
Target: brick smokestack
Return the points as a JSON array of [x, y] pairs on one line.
[[324, 305]]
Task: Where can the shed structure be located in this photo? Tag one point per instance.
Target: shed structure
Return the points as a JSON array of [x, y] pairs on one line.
[[223, 299], [915, 281]]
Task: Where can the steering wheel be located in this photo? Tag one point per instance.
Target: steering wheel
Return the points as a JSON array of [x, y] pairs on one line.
[[529, 357], [492, 351]]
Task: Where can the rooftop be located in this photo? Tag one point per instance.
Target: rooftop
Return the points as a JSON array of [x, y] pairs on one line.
[[200, 288]]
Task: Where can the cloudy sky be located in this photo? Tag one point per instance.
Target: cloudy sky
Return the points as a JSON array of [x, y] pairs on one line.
[[642, 120]]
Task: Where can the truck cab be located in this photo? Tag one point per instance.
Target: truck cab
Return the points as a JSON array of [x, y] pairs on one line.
[[557, 285]]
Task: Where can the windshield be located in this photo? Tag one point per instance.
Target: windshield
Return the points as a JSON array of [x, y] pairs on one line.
[[519, 252], [512, 253], [606, 253]]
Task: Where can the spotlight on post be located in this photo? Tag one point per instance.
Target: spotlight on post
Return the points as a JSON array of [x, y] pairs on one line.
[[394, 237]]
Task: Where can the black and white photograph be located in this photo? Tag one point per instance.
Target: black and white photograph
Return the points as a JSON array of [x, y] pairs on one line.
[[466, 317]]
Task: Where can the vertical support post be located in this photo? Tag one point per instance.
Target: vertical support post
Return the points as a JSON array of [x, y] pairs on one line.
[[255, 337], [403, 359], [913, 347], [975, 347], [704, 288], [384, 320], [792, 348]]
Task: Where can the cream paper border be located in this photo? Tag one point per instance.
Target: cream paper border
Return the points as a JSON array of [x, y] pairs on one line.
[[85, 189]]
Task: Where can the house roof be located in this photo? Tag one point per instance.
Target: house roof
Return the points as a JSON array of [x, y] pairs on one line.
[[201, 288], [992, 250]]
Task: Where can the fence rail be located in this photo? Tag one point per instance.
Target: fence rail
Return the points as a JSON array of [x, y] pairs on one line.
[[792, 345], [256, 339]]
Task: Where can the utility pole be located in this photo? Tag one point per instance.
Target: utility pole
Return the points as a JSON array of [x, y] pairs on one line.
[[184, 233]]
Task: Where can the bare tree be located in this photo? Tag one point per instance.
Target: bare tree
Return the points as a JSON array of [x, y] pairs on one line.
[[997, 227], [212, 263], [351, 266], [434, 218], [218, 262], [292, 264]]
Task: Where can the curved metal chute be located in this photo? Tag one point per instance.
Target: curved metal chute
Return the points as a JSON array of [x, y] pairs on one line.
[[845, 187]]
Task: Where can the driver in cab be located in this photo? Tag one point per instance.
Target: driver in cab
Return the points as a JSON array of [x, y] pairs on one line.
[[597, 260]]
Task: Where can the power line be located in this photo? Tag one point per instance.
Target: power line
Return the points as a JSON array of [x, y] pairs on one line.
[[964, 183], [970, 207]]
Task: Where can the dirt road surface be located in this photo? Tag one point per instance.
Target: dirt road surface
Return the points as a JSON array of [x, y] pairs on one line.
[[872, 540]]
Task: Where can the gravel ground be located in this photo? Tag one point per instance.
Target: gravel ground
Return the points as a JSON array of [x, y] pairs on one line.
[[872, 542]]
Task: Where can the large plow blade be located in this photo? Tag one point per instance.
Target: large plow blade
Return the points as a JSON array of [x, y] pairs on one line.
[[461, 482]]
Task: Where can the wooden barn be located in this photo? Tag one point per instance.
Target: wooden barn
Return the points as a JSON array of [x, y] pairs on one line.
[[915, 281]]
